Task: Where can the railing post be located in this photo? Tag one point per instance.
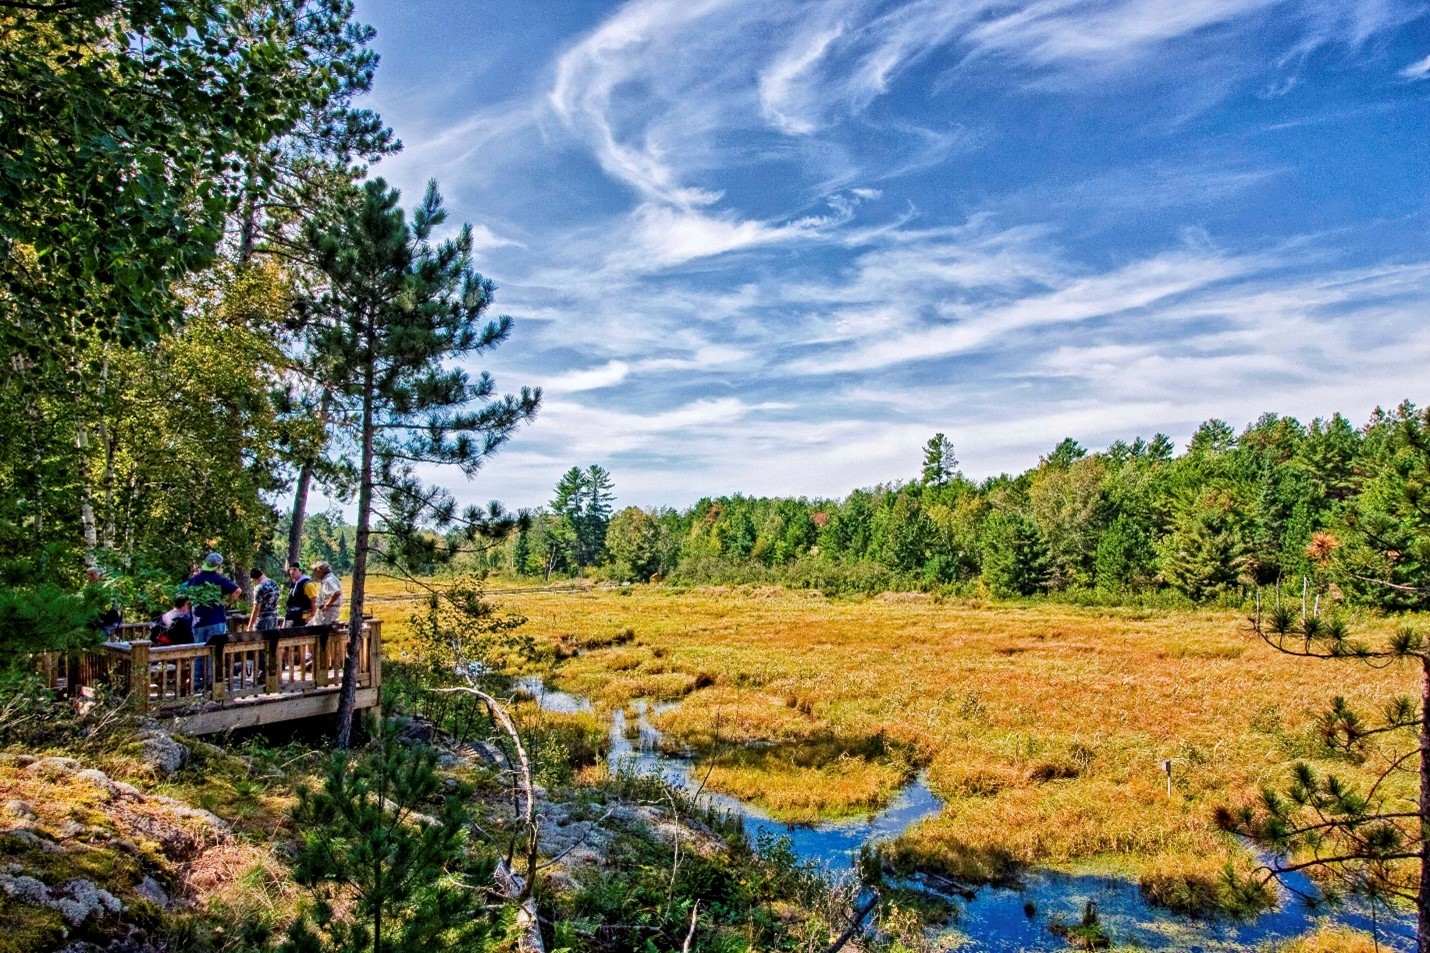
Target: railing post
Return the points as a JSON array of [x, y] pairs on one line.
[[270, 668], [320, 659], [218, 684], [139, 676], [374, 652]]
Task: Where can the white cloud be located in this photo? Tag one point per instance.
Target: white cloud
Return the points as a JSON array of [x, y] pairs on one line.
[[780, 94], [663, 236], [1417, 70], [607, 375], [484, 239]]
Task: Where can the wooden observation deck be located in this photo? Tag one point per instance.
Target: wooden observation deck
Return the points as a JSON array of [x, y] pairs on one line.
[[246, 680]]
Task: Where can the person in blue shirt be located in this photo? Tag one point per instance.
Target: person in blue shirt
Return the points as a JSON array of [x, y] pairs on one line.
[[211, 620]]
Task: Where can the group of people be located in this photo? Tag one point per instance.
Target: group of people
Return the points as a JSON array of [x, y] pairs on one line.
[[310, 601]]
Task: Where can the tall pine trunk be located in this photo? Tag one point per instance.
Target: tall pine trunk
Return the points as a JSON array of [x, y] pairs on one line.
[[1422, 897], [347, 700], [300, 493], [300, 513]]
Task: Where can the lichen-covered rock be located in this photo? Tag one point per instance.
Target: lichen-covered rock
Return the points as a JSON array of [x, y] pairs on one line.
[[21, 809], [159, 750], [76, 901], [53, 767], [113, 790], [151, 890], [35, 840]]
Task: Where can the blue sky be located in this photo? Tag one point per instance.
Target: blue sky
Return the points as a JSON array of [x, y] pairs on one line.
[[772, 247]]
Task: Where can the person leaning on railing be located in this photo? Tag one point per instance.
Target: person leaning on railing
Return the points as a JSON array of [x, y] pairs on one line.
[[264, 613], [302, 597], [211, 620], [330, 595]]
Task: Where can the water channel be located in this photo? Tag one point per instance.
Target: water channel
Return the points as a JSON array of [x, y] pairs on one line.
[[997, 919]]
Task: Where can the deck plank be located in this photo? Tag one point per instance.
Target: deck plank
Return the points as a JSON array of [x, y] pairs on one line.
[[251, 712]]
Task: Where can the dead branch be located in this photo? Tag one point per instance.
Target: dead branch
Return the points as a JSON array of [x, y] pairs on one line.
[[854, 927], [527, 810], [689, 936], [515, 886]]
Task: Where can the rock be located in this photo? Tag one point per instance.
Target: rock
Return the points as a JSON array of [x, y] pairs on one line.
[[100, 780], [53, 767], [35, 840], [150, 890], [27, 889], [20, 809], [76, 901], [159, 750], [181, 810], [85, 898], [411, 731]]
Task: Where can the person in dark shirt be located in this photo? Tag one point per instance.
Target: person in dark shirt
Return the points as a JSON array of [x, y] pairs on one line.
[[302, 596], [176, 627], [211, 620], [264, 614]]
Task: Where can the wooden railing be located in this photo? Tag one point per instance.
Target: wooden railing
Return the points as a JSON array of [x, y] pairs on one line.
[[276, 664]]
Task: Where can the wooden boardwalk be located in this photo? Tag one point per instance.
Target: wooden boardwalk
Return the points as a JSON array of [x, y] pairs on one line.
[[250, 679]]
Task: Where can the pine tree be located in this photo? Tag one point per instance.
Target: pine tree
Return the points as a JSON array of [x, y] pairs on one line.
[[1206, 552], [1016, 561], [940, 463], [409, 882], [396, 310], [583, 500]]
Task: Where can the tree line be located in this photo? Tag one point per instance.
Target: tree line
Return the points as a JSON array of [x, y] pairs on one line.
[[1280, 503]]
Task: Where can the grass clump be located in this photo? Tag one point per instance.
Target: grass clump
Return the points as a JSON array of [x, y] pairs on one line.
[[813, 780], [1182, 885]]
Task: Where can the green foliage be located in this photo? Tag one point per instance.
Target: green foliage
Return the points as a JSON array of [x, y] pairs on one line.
[[1385, 528], [1206, 552], [382, 837], [121, 123], [940, 462], [458, 631], [633, 539], [583, 500], [1125, 558], [755, 897], [47, 619], [1016, 561]]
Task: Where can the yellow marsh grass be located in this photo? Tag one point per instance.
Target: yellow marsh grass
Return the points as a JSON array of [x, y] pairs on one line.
[[1331, 940], [1044, 725]]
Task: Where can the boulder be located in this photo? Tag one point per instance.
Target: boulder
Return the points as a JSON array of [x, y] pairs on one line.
[[159, 750]]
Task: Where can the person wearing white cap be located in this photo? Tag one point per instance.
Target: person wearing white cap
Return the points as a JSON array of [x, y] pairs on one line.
[[330, 595]]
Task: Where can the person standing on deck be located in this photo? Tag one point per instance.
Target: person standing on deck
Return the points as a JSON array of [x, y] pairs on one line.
[[330, 595], [211, 620], [264, 614], [302, 596]]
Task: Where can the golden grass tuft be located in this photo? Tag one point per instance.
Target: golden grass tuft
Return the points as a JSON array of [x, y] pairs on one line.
[[1335, 939]]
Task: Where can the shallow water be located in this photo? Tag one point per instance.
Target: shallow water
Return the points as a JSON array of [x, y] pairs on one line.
[[997, 919]]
